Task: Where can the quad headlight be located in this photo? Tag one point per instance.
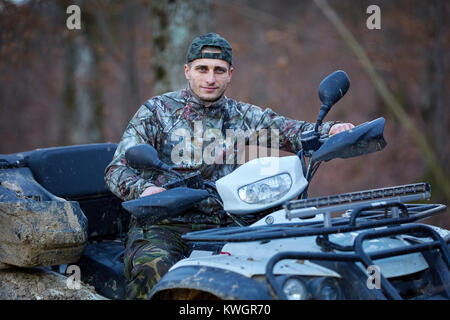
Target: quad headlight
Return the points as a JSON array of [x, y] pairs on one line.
[[295, 289], [266, 190], [317, 288], [325, 288]]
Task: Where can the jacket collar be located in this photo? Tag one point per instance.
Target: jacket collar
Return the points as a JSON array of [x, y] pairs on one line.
[[191, 98]]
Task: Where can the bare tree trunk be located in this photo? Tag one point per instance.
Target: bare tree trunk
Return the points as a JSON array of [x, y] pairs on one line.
[[82, 109], [434, 97], [132, 93], [175, 23], [391, 101]]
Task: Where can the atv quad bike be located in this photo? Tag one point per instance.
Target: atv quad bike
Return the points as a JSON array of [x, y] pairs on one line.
[[55, 211]]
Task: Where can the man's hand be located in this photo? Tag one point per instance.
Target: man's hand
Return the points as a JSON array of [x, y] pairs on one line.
[[152, 190], [340, 127]]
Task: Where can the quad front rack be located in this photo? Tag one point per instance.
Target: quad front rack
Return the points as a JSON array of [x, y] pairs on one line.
[[361, 210], [376, 213]]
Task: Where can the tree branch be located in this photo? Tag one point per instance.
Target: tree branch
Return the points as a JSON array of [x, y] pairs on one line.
[[392, 103]]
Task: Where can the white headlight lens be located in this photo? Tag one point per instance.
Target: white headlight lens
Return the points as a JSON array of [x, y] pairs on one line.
[[294, 289], [266, 190], [325, 289], [329, 292]]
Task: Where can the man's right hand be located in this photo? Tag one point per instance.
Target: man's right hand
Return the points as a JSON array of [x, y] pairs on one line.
[[152, 190]]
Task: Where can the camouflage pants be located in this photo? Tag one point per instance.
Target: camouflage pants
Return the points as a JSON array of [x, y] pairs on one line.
[[149, 254]]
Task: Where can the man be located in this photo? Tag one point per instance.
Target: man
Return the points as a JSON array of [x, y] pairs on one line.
[[152, 250]]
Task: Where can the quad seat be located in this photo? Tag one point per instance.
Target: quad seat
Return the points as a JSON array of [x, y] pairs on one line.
[[40, 178], [75, 173]]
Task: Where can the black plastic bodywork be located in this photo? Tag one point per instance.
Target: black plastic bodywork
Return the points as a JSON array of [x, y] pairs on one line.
[[331, 90], [152, 209], [333, 87], [102, 266], [362, 139], [142, 157], [223, 284], [75, 173]]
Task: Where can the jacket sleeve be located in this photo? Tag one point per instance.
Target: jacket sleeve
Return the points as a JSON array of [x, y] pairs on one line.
[[289, 130], [124, 181]]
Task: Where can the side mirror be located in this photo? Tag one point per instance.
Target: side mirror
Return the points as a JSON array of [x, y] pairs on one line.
[[143, 157], [331, 90]]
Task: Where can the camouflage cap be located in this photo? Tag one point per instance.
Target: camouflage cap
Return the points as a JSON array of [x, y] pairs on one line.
[[210, 40]]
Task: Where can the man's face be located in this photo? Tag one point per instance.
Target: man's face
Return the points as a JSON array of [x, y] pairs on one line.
[[208, 78]]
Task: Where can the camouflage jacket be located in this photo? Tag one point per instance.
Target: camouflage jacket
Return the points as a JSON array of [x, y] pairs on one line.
[[181, 129]]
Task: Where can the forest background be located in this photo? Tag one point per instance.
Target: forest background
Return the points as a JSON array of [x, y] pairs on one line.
[[62, 87]]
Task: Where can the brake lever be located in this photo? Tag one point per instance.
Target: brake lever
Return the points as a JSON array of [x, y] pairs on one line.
[[192, 180]]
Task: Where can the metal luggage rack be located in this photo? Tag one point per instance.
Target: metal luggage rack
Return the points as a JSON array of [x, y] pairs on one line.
[[359, 201], [440, 268], [362, 210]]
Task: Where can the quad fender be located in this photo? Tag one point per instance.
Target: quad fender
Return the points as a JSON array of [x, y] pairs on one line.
[[208, 282]]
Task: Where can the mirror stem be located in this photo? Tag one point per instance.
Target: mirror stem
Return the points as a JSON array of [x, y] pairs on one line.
[[165, 167], [322, 113]]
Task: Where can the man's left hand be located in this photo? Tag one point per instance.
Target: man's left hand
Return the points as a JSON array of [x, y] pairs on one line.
[[340, 127]]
